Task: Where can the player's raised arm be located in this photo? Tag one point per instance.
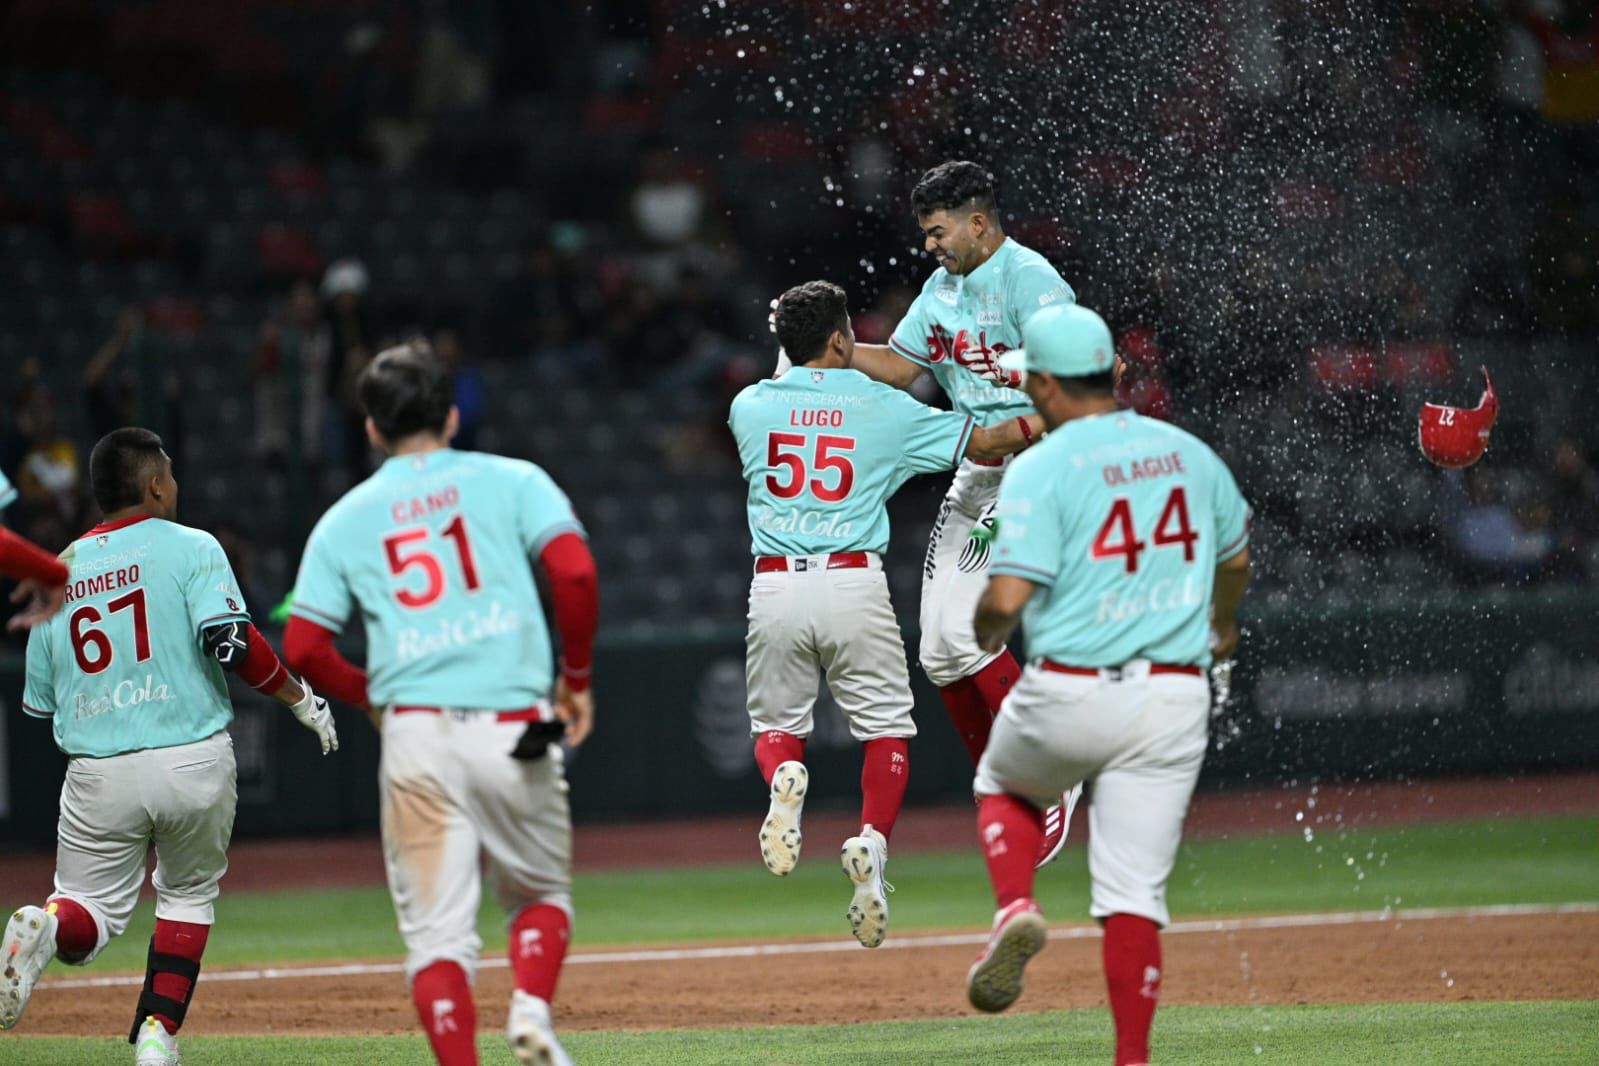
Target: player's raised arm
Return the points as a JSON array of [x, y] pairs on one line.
[[882, 363], [41, 577], [1004, 438]]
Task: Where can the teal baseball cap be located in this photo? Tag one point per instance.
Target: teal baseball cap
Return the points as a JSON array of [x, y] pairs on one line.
[[1066, 340]]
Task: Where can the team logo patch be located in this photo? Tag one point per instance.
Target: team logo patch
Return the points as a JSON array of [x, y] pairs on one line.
[[232, 605], [816, 376], [101, 540], [980, 544]]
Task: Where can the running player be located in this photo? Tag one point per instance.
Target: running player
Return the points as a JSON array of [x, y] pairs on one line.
[[131, 680], [823, 448], [1125, 540], [434, 551], [41, 579], [969, 312]]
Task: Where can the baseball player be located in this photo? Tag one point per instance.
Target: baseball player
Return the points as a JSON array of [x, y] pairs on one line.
[[823, 447], [969, 312], [1125, 540], [434, 551], [130, 677], [40, 577]]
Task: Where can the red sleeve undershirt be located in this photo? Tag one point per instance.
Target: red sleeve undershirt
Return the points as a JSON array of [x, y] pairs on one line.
[[261, 669], [575, 592], [23, 560], [309, 649]]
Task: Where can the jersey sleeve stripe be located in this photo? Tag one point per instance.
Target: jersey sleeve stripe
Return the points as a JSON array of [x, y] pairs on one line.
[[917, 358], [28, 708], [231, 616], [1238, 544], [960, 444], [1031, 573], [321, 618], [271, 683], [542, 541], [8, 496]]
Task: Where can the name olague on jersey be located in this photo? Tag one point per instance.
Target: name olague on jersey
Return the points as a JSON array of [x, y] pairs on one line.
[[960, 317], [824, 449], [435, 550], [1122, 520], [122, 667]]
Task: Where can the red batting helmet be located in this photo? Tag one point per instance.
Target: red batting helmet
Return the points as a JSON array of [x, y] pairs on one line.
[[1457, 436]]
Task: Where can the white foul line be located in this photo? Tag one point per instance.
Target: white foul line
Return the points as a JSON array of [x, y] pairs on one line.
[[905, 943]]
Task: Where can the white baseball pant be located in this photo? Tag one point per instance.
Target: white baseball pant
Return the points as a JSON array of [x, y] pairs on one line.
[[182, 799], [1139, 743], [954, 575], [809, 618], [450, 790]]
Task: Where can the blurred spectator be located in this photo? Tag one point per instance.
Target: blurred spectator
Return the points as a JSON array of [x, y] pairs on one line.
[[49, 478], [1574, 505], [665, 208], [548, 310], [132, 380], [287, 376], [350, 347], [240, 550], [466, 381], [1494, 543]]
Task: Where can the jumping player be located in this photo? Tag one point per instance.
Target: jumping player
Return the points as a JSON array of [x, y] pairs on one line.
[[823, 448], [130, 676], [1125, 540], [40, 577], [969, 312], [435, 552]]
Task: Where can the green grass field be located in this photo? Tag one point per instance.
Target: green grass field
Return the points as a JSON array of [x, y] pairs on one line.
[[1549, 860]]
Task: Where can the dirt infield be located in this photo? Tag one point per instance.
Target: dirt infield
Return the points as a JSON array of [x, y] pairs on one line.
[[1436, 960], [1422, 959]]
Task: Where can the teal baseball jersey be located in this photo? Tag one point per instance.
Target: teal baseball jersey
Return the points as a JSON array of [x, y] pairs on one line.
[[823, 450], [1121, 520], [121, 666], [434, 551], [8, 492], [957, 317]]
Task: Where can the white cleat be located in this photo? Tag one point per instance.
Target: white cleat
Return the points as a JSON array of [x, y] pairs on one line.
[[156, 1046], [780, 833], [863, 859], [532, 1034], [30, 944], [995, 980]]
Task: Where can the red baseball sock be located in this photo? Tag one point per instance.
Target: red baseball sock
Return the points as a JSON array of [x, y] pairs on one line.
[[1009, 830], [187, 941], [444, 1003], [994, 681], [885, 771], [1132, 973], [774, 747], [969, 714], [539, 935], [76, 933]]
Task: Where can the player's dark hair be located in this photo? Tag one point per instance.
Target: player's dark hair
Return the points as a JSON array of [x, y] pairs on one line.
[[406, 391], [120, 464], [953, 186], [807, 315], [1101, 384]]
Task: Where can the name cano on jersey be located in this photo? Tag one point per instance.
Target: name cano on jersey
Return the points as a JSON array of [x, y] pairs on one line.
[[421, 506]]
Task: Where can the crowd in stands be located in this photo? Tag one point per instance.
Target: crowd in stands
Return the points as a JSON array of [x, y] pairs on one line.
[[1301, 219]]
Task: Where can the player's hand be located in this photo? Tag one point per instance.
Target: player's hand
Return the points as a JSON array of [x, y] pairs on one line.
[[984, 362], [43, 602], [1223, 640], [576, 709], [314, 713]]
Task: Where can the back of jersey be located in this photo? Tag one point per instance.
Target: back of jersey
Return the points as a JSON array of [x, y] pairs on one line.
[[1123, 520], [824, 449], [121, 667], [435, 552]]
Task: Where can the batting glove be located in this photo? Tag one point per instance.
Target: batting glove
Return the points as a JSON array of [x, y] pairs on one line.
[[314, 713], [989, 370]]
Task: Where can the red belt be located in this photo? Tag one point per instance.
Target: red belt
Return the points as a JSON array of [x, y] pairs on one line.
[[771, 564], [526, 714], [1094, 671]]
